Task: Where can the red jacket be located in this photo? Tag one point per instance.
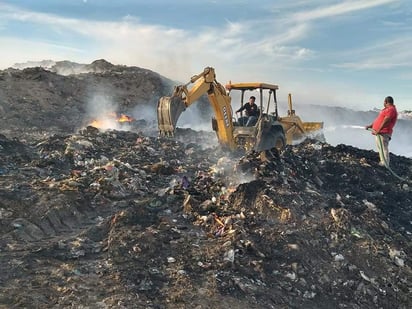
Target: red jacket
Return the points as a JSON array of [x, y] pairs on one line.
[[390, 112]]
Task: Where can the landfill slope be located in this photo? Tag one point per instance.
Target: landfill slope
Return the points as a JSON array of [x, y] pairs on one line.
[[125, 219], [37, 101]]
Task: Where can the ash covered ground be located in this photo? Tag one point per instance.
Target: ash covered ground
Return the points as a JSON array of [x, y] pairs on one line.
[[124, 219]]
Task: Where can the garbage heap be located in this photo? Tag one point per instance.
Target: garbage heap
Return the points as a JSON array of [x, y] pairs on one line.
[[119, 219]]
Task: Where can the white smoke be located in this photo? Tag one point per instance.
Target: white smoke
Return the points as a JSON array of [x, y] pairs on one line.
[[347, 126], [101, 112], [146, 112], [46, 64], [195, 119]]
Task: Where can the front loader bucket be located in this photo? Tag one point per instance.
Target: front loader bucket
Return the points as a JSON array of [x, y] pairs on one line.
[[168, 112], [314, 130], [312, 126]]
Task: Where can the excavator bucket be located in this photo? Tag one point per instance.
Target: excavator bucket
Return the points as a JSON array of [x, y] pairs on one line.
[[168, 112]]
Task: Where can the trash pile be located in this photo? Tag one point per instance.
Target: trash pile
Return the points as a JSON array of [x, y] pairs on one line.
[[121, 219]]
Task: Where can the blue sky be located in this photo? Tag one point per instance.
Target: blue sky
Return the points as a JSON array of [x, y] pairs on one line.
[[344, 53]]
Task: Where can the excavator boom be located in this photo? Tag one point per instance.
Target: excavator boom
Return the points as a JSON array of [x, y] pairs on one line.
[[170, 108]]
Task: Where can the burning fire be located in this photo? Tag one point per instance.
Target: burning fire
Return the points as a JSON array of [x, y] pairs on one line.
[[124, 118], [111, 121]]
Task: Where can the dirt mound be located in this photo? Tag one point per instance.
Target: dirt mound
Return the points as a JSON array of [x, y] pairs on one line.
[[37, 101]]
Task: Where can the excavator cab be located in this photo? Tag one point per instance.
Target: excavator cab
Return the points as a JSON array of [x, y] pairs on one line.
[[294, 128], [267, 133], [265, 95]]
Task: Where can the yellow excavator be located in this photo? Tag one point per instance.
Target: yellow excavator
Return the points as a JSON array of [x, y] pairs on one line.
[[270, 131]]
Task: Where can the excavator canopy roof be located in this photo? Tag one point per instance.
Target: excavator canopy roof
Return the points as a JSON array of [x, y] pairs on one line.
[[251, 86]]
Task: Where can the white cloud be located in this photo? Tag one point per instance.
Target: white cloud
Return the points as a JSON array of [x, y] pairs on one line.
[[303, 53], [385, 54], [170, 50], [339, 9], [131, 42], [18, 50], [270, 49]]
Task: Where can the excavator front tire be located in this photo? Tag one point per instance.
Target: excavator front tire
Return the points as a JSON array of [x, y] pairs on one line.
[[273, 153]]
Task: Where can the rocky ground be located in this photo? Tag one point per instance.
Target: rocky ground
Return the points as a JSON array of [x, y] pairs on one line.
[[125, 219]]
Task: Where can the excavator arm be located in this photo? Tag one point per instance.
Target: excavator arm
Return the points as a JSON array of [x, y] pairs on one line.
[[169, 109]]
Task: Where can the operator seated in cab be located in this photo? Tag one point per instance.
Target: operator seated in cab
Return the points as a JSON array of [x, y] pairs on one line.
[[252, 113]]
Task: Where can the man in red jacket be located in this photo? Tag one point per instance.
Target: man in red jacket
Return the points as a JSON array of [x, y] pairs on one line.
[[382, 128]]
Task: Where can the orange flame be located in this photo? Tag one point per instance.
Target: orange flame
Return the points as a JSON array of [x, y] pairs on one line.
[[110, 119], [124, 118], [96, 123]]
